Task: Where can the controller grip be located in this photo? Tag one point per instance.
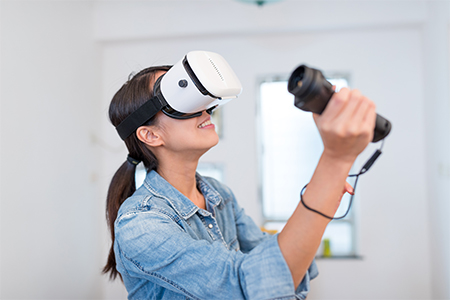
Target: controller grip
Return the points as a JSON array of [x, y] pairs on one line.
[[382, 129]]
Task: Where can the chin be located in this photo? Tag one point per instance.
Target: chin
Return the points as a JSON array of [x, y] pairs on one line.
[[216, 140], [212, 143]]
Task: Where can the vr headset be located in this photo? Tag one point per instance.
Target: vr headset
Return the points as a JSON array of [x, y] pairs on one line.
[[200, 81]]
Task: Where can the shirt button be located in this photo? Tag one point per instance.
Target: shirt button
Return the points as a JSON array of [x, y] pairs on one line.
[[210, 226]]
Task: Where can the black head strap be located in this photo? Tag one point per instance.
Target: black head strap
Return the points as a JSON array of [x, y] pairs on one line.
[[139, 117], [144, 113]]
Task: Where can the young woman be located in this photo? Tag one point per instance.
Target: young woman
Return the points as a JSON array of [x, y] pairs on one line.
[[184, 236]]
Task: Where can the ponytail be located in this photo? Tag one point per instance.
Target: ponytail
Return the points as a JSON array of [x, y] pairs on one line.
[[130, 97], [121, 187]]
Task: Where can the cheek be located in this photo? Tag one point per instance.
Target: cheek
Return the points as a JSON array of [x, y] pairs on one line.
[[194, 139], [184, 134], [178, 139]]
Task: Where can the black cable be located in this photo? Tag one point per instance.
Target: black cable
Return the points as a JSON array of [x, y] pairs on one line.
[[363, 170]]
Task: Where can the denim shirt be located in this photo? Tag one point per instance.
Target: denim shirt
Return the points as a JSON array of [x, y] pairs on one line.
[[168, 248]]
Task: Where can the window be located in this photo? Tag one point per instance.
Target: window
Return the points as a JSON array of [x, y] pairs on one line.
[[290, 148]]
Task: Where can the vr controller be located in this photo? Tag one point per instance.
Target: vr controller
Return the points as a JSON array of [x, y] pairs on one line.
[[312, 93]]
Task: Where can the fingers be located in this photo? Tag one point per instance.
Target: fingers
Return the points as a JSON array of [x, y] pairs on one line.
[[351, 113], [347, 124], [348, 189], [337, 103], [353, 103], [370, 116], [362, 119]]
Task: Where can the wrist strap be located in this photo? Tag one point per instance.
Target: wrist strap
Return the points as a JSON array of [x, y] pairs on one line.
[[363, 170]]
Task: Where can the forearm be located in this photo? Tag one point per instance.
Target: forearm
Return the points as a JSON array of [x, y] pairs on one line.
[[300, 238], [346, 127]]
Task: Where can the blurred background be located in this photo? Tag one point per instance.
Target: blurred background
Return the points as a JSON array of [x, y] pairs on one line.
[[62, 61]]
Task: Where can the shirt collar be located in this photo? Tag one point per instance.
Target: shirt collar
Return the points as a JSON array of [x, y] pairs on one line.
[[180, 203], [212, 196]]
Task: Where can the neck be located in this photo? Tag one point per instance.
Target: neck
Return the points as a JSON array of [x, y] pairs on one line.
[[180, 173]]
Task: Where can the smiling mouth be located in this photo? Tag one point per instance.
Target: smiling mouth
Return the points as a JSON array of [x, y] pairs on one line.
[[206, 123]]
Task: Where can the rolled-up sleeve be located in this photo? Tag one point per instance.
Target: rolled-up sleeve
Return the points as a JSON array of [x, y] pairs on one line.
[[250, 236], [272, 279], [153, 246]]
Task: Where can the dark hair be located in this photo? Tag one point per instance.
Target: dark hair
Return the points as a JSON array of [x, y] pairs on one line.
[[135, 92]]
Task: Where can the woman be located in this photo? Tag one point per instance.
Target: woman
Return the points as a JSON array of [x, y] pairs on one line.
[[184, 236]]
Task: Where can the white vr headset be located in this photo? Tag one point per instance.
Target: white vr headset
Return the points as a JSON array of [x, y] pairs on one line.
[[200, 81]]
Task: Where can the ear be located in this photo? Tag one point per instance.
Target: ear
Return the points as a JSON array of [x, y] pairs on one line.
[[149, 135]]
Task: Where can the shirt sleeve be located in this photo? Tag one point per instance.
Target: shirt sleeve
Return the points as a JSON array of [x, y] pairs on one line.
[[152, 246], [250, 235]]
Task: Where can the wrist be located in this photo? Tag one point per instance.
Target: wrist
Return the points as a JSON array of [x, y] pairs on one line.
[[338, 159], [325, 190]]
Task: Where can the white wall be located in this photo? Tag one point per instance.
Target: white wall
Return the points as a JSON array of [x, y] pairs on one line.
[[393, 50], [437, 109], [49, 110]]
